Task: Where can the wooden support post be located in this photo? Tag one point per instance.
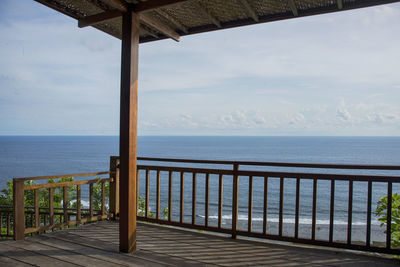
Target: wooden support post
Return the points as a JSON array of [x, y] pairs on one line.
[[114, 186], [19, 210], [128, 130]]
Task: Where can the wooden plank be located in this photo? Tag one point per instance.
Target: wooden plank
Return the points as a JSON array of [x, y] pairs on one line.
[[265, 205], [250, 205], [249, 10], [25, 256], [220, 199], [194, 183], [164, 29], [51, 206], [158, 195], [91, 200], [281, 195], [350, 213], [170, 196], [293, 7], [235, 199], [173, 20], [389, 216], [65, 203], [182, 198], [207, 199], [297, 209], [61, 176], [98, 18], [73, 257], [37, 215], [78, 203], [19, 209], [154, 4], [332, 211], [314, 209], [207, 13], [54, 185], [147, 194]]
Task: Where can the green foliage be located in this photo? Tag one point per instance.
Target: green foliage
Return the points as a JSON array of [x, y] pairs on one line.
[[97, 198], [381, 212], [142, 209]]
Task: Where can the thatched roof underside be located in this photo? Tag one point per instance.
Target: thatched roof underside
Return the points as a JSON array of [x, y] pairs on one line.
[[196, 16]]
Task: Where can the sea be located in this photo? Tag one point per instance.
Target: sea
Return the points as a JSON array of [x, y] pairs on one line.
[[26, 156]]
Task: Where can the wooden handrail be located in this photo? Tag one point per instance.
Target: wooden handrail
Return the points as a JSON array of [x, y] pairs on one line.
[[61, 176], [278, 164]]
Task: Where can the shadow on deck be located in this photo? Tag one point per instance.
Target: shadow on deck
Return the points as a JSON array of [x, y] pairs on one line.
[[97, 244]]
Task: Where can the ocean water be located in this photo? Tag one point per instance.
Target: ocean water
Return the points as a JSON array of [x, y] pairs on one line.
[[24, 156]]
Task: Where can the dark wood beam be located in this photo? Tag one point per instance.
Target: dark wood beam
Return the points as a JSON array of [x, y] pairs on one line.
[[172, 20], [128, 131], [121, 5], [159, 26], [94, 19], [208, 14], [154, 4], [249, 10], [340, 4], [293, 7]]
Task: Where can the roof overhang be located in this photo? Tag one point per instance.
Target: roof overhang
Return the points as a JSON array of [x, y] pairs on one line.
[[160, 19]]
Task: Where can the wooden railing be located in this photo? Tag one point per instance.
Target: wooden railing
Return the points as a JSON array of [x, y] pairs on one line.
[[234, 174], [37, 219]]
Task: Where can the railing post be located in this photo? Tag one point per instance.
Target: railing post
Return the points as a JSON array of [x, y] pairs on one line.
[[114, 186], [19, 210], [235, 194]]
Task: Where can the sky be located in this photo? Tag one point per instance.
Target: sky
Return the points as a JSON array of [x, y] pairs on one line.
[[334, 74]]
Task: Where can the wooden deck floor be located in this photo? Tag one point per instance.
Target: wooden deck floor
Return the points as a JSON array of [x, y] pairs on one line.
[[97, 245]]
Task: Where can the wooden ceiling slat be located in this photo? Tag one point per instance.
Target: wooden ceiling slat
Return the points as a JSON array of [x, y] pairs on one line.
[[95, 19], [249, 10], [208, 14], [164, 29]]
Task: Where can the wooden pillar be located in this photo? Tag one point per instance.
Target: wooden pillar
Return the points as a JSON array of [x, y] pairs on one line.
[[19, 210], [128, 130]]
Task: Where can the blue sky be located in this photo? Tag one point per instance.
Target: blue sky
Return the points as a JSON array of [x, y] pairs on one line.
[[335, 74]]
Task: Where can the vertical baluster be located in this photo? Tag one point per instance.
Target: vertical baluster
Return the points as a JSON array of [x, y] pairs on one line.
[[389, 216], [103, 199], [206, 205], [369, 200], [297, 211], [169, 196], [350, 213], [146, 209], [90, 201], [281, 194], [250, 205], [9, 224], [332, 211], [51, 206], [220, 198], [314, 208], [182, 199], [65, 204], [19, 209], [78, 203], [137, 190], [31, 221], [36, 200], [265, 208], [235, 192], [158, 196], [194, 199]]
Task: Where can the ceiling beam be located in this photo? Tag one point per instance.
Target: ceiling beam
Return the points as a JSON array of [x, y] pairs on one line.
[[94, 19], [154, 4], [172, 20], [122, 5], [208, 14], [340, 4], [249, 9], [164, 29], [293, 7]]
